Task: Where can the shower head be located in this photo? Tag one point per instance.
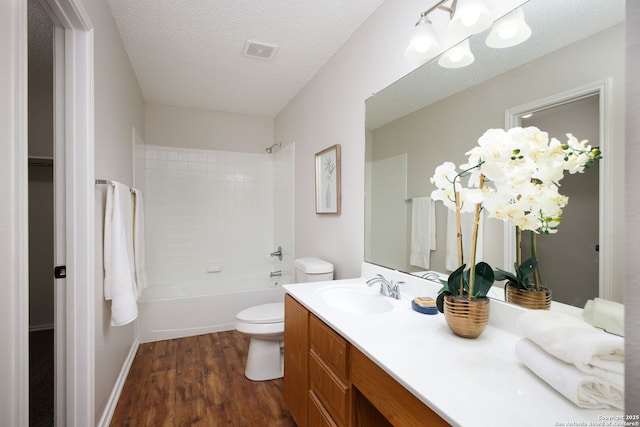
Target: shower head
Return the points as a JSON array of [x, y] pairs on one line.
[[269, 150]]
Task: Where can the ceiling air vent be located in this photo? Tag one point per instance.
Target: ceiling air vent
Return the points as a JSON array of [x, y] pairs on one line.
[[259, 50]]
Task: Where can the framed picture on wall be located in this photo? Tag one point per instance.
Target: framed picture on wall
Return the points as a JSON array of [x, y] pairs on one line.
[[328, 192]]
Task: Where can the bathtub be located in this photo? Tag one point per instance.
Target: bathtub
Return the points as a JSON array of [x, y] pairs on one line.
[[175, 311]]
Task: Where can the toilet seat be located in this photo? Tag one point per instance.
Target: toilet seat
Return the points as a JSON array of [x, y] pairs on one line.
[[262, 314], [265, 319]]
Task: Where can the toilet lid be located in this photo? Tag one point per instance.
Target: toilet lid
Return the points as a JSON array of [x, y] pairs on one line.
[[265, 313]]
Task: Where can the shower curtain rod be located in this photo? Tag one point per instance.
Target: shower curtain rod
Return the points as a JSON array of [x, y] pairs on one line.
[[109, 182]]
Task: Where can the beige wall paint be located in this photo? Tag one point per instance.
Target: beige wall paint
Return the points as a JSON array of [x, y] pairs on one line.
[[119, 107], [205, 129]]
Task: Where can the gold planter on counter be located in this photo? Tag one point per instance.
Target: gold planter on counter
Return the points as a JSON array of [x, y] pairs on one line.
[[537, 300], [466, 318]]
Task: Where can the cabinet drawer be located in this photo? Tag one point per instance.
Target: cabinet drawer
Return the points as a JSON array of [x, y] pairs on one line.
[[331, 391], [330, 346], [318, 416]]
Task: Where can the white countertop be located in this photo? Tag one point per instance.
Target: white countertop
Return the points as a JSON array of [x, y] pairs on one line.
[[468, 382]]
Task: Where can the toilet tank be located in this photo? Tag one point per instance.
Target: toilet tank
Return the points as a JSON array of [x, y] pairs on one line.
[[312, 270]]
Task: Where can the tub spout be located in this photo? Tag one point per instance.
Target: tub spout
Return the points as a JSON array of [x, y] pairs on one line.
[[275, 273]]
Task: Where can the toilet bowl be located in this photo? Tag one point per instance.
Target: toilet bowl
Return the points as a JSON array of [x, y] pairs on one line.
[[265, 325]]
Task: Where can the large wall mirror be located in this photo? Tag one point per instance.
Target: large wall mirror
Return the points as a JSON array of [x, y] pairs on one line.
[[569, 74]]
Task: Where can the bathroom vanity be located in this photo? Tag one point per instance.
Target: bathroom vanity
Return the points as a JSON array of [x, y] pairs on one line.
[[329, 382], [356, 358]]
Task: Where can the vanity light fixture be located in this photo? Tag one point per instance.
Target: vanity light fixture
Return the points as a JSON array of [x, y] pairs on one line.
[[458, 56], [510, 30]]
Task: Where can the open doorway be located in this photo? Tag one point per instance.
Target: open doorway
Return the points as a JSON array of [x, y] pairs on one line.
[[577, 242], [585, 112], [41, 216]]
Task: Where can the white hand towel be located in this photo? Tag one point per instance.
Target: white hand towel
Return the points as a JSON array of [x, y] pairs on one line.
[[605, 314], [119, 279], [574, 341], [584, 390], [138, 242], [466, 223], [423, 231]]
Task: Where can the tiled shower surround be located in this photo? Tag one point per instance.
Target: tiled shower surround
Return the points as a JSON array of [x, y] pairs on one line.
[[209, 215]]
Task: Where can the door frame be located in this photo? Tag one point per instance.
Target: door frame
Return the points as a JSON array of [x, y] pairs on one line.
[[74, 212], [602, 88]]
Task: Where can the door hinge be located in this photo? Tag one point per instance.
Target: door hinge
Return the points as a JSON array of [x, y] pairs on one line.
[[60, 271]]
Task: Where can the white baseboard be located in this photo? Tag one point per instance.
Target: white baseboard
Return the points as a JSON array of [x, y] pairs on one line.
[[110, 408]]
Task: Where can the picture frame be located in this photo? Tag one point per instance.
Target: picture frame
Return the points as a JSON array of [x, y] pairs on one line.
[[328, 184]]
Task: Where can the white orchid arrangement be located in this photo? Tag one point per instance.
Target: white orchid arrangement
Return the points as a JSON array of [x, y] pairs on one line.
[[515, 176]]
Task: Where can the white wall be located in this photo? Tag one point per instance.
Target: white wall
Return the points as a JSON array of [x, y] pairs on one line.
[[206, 129], [330, 110]]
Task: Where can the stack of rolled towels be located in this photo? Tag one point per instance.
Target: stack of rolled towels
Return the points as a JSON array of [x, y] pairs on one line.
[[583, 363]]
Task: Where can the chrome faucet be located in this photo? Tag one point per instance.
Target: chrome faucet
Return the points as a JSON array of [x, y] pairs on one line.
[[275, 273], [277, 253], [387, 287], [431, 275]]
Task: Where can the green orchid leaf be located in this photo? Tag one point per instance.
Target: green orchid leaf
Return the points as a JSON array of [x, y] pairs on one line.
[[457, 281], [484, 278], [526, 269], [504, 275], [440, 301]]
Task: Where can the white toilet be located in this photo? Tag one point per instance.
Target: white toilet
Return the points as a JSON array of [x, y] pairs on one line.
[[265, 324]]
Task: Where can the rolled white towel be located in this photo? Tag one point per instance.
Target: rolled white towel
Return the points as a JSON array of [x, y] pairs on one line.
[[586, 391], [574, 341], [605, 314]]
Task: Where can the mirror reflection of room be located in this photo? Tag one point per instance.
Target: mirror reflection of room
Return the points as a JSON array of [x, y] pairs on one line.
[[405, 144]]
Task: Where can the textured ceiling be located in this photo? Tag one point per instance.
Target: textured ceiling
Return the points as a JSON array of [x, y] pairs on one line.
[[190, 52]]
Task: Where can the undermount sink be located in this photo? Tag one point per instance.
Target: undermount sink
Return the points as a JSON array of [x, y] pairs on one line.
[[357, 299]]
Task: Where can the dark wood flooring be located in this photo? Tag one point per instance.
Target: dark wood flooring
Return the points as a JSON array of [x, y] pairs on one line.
[[198, 381]]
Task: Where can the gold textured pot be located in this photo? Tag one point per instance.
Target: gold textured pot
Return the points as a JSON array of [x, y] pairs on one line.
[[466, 318], [537, 300]]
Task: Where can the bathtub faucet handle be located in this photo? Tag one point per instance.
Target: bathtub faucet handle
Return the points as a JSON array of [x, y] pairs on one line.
[[275, 273], [278, 253]]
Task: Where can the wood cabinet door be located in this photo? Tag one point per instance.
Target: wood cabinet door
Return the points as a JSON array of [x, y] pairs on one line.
[[296, 349]]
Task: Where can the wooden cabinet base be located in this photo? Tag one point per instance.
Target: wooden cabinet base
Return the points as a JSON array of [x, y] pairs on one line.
[[392, 400], [330, 383]]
